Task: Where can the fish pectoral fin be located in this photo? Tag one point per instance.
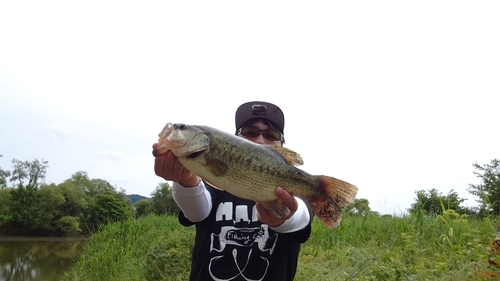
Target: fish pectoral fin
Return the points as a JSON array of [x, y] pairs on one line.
[[216, 167], [291, 157], [276, 208]]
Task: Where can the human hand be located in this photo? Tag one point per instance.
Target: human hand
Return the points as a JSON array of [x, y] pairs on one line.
[[268, 218], [168, 166]]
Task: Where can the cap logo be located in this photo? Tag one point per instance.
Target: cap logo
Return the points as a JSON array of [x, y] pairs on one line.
[[259, 110]]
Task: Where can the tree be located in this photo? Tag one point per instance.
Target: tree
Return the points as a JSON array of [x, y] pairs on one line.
[[489, 189], [143, 208], [24, 209], [50, 203], [67, 225], [29, 174], [3, 177], [24, 213], [163, 202], [5, 214], [99, 186], [432, 202], [360, 207], [91, 187], [108, 208], [99, 195], [32, 207], [76, 201]]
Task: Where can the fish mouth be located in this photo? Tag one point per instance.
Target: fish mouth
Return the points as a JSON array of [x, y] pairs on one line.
[[189, 145]]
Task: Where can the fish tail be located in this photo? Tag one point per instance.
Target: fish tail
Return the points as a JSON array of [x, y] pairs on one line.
[[334, 195]]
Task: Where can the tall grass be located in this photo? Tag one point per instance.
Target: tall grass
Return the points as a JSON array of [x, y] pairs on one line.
[[150, 248], [446, 247]]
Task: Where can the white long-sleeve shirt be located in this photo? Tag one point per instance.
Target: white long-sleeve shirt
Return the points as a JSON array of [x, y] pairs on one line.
[[196, 204]]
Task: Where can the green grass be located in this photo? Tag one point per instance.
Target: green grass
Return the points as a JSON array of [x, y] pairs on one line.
[[150, 248], [447, 247]]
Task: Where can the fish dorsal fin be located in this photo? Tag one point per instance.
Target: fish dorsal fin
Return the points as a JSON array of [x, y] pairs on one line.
[[291, 157]]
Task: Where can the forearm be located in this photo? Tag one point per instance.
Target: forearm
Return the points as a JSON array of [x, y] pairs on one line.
[[195, 202], [298, 221]]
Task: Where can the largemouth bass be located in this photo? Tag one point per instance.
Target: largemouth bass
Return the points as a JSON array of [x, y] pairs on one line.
[[253, 171]]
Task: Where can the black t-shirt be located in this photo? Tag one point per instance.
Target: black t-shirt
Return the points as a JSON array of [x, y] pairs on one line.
[[231, 244]]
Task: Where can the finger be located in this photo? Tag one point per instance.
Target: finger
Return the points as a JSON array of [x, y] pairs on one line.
[[172, 164], [186, 174], [267, 217], [176, 171], [180, 171], [287, 199], [165, 165], [175, 166], [159, 165]]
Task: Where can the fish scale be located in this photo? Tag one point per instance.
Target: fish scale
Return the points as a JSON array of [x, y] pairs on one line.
[[262, 165]]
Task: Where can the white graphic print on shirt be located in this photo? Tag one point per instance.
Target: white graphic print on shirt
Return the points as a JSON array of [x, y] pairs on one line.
[[238, 238]]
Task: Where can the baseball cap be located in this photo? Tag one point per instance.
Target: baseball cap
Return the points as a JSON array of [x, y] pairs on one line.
[[260, 109]]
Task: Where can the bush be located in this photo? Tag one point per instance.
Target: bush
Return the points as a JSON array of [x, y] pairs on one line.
[[67, 225]]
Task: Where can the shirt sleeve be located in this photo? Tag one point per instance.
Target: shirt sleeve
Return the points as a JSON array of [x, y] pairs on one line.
[[300, 219], [194, 202]]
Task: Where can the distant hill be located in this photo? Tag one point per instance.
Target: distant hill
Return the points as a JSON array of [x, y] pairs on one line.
[[136, 197]]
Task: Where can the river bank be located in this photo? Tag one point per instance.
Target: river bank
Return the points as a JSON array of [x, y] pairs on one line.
[[40, 258]]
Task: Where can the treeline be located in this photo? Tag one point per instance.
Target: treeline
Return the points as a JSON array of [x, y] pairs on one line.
[[487, 191], [432, 202], [78, 205]]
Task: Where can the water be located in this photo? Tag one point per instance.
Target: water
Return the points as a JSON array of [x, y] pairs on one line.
[[37, 258]]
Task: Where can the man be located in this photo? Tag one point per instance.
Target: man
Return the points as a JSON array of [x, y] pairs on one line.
[[237, 239]]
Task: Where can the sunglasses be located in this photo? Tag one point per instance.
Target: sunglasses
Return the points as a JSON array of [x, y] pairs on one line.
[[252, 132]]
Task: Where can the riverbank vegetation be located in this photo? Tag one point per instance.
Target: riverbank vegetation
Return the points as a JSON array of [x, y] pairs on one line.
[[80, 204], [77, 206], [413, 247], [436, 239]]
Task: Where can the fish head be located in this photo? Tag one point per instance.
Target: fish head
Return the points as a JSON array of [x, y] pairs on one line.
[[183, 140]]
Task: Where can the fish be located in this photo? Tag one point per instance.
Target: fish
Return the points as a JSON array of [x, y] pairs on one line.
[[253, 171]]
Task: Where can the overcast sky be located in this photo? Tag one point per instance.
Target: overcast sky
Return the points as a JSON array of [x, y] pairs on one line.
[[391, 96]]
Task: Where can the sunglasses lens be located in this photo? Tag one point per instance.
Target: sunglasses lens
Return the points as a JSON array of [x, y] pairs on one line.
[[253, 132], [272, 135], [250, 132]]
